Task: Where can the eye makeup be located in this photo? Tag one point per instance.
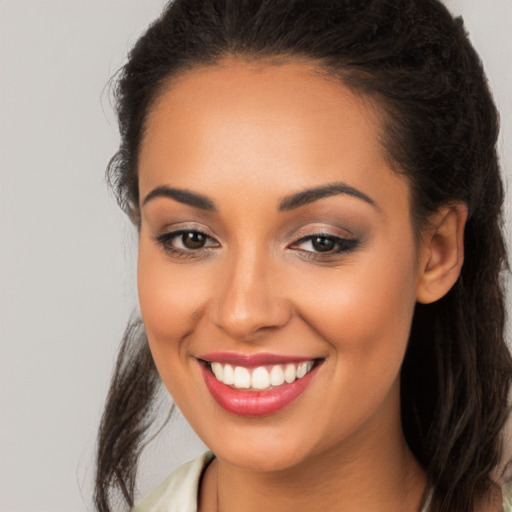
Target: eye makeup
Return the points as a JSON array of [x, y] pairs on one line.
[[321, 245], [186, 242], [194, 243]]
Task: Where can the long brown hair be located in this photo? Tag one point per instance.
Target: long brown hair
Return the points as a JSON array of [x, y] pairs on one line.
[[415, 61]]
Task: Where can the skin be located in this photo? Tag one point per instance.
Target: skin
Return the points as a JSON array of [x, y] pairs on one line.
[[246, 135]]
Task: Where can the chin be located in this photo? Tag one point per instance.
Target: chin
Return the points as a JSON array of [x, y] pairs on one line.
[[261, 458], [260, 449]]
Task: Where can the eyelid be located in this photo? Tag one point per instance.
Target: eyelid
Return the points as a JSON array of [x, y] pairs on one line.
[[308, 238], [342, 247], [312, 230], [344, 242], [180, 227], [178, 232], [165, 238]]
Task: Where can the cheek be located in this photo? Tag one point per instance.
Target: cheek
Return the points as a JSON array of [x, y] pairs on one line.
[[171, 302], [364, 310], [170, 298], [364, 314]]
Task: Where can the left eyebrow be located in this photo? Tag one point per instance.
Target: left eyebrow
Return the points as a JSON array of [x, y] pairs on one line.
[[311, 195], [182, 196]]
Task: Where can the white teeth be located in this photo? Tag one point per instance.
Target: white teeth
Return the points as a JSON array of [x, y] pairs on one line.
[[242, 378], [290, 373], [229, 376], [302, 369], [218, 371], [260, 378], [276, 376]]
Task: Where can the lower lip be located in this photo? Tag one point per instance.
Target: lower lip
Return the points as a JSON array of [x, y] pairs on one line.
[[255, 403]]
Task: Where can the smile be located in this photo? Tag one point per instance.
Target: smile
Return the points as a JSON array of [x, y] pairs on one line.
[[256, 385], [262, 377]]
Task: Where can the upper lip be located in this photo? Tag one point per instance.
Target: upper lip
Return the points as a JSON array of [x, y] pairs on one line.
[[260, 359]]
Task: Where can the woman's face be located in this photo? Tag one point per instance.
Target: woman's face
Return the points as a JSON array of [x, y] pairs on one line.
[[274, 239]]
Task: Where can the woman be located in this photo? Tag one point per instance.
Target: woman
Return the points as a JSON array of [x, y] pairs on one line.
[[318, 201]]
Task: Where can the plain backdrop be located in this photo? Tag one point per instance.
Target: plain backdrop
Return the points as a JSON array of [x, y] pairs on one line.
[[67, 255]]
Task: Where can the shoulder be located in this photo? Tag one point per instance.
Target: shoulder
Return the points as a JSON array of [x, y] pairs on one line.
[[178, 493]]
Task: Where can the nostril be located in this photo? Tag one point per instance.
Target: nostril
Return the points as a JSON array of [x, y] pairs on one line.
[[248, 302], [253, 317]]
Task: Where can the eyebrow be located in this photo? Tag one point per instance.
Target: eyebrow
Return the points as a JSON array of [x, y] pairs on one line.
[[288, 203], [314, 194], [182, 196]]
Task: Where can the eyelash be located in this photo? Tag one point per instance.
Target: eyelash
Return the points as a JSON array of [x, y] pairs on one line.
[[343, 245], [166, 240]]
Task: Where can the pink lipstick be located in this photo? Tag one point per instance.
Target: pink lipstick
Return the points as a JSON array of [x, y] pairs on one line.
[[257, 384]]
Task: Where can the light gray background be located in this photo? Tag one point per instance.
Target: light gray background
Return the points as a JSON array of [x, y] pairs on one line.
[[67, 256]]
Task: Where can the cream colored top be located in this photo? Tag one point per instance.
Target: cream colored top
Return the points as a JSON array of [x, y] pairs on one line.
[[178, 493]]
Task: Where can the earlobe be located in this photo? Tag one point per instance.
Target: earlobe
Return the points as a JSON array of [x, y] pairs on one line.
[[441, 253]]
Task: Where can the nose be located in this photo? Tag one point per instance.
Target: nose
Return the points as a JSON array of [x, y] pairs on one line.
[[249, 299]]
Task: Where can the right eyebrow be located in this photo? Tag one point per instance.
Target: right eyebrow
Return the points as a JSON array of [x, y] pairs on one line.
[[314, 194], [182, 196]]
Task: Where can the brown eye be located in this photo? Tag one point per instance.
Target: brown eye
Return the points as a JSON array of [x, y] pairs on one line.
[[323, 244], [186, 243], [193, 240]]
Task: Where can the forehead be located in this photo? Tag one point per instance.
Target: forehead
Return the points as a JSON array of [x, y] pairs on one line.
[[288, 124]]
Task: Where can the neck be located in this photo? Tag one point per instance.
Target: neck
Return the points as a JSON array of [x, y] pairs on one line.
[[373, 470]]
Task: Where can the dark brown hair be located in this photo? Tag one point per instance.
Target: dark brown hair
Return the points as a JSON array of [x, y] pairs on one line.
[[415, 61]]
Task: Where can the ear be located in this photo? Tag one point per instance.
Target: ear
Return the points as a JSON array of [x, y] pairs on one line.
[[441, 252]]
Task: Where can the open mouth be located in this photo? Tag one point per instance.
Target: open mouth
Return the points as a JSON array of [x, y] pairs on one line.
[[260, 378], [257, 388]]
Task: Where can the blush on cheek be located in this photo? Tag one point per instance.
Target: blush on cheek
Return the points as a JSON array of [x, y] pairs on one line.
[[167, 301], [167, 310], [361, 313]]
